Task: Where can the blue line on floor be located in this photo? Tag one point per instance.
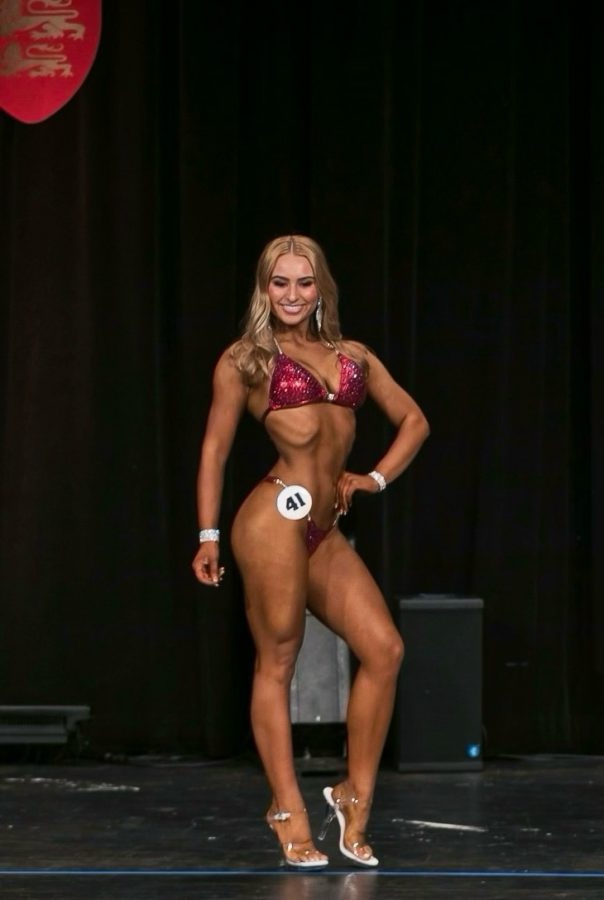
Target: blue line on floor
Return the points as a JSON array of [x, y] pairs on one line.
[[237, 873]]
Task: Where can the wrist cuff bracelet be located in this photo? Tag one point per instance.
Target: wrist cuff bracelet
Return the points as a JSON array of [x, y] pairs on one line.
[[379, 478], [209, 534]]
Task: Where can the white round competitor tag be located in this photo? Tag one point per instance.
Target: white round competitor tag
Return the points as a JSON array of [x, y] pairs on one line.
[[294, 502]]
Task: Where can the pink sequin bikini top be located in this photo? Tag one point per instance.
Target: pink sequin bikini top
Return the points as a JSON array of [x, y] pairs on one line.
[[293, 385]]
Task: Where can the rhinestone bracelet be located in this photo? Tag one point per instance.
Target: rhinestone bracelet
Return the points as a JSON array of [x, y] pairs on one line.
[[379, 478], [209, 534]]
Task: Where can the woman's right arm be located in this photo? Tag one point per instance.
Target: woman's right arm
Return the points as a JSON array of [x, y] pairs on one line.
[[229, 396]]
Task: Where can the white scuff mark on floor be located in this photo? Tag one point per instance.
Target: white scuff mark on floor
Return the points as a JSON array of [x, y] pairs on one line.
[[81, 787], [90, 788], [448, 826]]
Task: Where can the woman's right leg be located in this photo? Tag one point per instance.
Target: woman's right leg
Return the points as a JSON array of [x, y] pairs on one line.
[[273, 562]]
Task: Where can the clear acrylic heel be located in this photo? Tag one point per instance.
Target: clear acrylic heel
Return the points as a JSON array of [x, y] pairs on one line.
[[342, 809]]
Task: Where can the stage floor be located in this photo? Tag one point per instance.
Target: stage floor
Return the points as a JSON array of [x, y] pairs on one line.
[[162, 828]]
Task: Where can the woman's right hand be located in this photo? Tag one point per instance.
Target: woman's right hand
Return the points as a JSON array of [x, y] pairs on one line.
[[205, 564]]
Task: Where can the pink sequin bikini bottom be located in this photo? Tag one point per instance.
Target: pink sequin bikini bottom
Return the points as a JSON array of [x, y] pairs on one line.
[[313, 534]]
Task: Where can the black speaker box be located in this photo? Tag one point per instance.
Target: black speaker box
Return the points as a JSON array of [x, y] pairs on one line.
[[438, 716]]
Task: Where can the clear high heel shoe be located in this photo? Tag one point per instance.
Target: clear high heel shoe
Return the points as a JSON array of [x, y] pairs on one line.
[[296, 854], [340, 808]]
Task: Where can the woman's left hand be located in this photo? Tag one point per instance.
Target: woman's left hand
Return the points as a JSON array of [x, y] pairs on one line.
[[348, 483]]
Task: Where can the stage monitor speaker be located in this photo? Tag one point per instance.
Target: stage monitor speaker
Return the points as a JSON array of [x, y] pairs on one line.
[[41, 724], [321, 682], [438, 716]]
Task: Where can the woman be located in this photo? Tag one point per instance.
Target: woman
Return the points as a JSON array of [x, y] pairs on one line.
[[293, 371]]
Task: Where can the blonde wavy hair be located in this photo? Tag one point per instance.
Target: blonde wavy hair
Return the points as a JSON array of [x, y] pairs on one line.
[[255, 350]]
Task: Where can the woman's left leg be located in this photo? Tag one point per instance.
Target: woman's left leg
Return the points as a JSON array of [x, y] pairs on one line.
[[344, 596]]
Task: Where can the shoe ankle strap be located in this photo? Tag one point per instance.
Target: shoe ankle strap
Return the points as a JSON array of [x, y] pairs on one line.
[[350, 799], [283, 815]]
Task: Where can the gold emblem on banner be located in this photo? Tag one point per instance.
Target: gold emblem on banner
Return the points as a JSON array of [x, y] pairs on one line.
[[41, 23]]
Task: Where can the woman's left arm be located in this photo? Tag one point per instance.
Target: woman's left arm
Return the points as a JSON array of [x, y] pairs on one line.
[[412, 429]]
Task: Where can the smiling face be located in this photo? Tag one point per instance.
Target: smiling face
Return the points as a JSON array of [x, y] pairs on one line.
[[292, 290]]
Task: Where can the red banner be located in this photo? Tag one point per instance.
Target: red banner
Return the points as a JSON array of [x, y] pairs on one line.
[[46, 50]]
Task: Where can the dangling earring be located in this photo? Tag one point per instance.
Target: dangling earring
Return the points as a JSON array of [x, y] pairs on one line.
[[319, 314]]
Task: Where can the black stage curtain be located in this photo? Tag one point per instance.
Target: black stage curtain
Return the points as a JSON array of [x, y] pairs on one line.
[[449, 158]]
